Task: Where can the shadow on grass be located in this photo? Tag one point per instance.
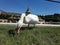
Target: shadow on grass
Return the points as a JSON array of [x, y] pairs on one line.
[[12, 32], [26, 28]]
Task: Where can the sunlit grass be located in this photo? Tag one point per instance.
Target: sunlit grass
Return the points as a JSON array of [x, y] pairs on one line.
[[34, 36]]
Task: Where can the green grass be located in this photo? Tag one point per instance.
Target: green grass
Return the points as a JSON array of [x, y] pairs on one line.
[[35, 36]]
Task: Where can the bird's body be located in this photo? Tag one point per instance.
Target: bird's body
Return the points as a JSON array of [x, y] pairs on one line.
[[29, 19]]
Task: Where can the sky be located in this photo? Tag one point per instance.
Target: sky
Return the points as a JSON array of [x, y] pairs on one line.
[[40, 7]]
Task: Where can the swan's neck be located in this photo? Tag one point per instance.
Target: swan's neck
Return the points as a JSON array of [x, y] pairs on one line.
[[22, 18]]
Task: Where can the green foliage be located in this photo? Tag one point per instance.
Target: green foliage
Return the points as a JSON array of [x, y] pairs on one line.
[[35, 36], [3, 16], [53, 18]]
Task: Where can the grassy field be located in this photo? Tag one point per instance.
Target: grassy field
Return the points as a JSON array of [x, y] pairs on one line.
[[34, 36]]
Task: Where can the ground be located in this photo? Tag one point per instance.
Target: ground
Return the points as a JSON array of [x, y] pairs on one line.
[[33, 36]]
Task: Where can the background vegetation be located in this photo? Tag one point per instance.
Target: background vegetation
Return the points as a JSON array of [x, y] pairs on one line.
[[53, 17], [48, 18]]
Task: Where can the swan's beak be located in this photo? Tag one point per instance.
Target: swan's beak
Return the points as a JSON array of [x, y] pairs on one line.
[[18, 30]]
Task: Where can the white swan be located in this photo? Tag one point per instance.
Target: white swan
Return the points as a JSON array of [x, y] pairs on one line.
[[29, 19]]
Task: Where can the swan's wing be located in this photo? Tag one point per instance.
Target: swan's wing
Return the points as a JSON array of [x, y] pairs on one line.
[[27, 19], [32, 16]]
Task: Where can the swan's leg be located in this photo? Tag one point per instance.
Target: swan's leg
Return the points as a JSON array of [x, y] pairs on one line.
[[28, 25], [34, 25]]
